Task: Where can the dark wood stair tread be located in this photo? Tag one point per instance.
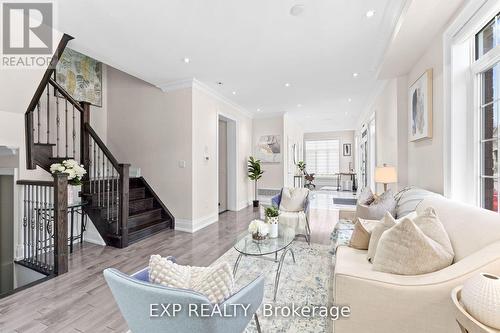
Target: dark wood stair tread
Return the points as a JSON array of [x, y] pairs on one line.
[[45, 144], [137, 233]]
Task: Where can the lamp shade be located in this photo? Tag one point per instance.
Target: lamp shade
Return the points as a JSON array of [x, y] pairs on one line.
[[386, 174]]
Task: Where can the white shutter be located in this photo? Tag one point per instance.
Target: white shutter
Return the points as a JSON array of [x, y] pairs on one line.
[[323, 157]]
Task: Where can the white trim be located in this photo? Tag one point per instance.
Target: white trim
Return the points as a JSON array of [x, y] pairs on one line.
[[474, 15], [232, 159], [195, 83], [176, 85], [215, 94], [195, 225]]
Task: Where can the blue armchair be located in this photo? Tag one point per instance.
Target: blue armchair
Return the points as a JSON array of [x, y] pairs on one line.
[[135, 296], [276, 201]]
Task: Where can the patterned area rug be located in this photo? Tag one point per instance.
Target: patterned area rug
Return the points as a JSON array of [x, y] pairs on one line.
[[341, 234], [307, 282]]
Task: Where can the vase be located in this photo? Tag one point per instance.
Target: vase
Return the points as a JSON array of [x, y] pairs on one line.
[[273, 230], [481, 298], [73, 194]]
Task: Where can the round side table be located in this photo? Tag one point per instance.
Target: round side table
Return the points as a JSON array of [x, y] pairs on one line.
[[465, 321]]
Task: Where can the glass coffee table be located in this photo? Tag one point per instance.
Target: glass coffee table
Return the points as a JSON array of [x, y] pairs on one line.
[[247, 246]]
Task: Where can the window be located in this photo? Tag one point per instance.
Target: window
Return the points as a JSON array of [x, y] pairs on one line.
[[323, 157], [489, 99], [488, 37]]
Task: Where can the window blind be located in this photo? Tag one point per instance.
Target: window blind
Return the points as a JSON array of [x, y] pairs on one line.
[[323, 157]]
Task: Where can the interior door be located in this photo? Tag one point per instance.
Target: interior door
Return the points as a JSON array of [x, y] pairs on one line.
[[222, 166]]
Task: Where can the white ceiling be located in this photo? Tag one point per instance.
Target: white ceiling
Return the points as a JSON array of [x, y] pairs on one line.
[[253, 47]]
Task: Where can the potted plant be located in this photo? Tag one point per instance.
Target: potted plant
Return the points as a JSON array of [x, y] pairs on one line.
[[254, 173], [272, 218], [301, 165], [75, 174]]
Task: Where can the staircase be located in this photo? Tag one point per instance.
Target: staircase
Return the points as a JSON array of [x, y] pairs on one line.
[[124, 210]]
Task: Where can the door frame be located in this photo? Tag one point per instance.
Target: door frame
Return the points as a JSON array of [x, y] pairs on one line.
[[232, 160]]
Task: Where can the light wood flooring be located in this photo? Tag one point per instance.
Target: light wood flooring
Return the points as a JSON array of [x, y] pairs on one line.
[[80, 300]]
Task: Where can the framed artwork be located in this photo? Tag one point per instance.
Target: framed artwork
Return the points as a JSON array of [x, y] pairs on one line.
[[269, 149], [346, 149], [80, 76], [420, 107]]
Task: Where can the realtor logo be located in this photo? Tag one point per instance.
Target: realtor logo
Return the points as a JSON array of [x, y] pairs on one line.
[[27, 28]]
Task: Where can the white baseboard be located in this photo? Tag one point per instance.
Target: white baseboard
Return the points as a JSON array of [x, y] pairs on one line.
[[195, 225]]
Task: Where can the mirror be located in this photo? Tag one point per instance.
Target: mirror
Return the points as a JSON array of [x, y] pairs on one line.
[[295, 150]]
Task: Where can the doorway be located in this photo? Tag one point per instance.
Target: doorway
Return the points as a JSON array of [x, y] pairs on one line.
[[226, 161]]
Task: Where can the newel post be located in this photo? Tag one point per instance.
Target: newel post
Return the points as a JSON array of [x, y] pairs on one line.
[[60, 223], [85, 142], [123, 170]]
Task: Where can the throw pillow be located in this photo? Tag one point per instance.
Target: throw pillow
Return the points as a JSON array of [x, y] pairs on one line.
[[377, 209], [409, 198], [366, 196], [386, 223], [292, 199], [414, 246], [217, 282], [360, 238]]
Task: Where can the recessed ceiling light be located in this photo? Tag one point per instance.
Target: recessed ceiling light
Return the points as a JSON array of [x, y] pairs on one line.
[[234, 92], [297, 10], [346, 113], [349, 100], [299, 105], [370, 13], [186, 60], [287, 84], [355, 74], [220, 83], [258, 110]]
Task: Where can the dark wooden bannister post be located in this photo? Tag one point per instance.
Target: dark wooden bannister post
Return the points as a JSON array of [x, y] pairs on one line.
[[85, 137], [123, 170], [60, 223]]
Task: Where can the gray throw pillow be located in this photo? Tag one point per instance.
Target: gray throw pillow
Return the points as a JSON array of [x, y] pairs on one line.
[[377, 209]]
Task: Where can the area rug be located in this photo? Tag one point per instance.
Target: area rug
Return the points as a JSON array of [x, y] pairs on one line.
[[341, 234], [308, 282]]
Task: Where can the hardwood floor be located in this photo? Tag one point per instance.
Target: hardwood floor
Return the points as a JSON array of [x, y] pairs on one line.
[[80, 300]]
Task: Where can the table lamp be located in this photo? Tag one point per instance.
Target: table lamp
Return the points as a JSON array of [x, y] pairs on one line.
[[386, 175]]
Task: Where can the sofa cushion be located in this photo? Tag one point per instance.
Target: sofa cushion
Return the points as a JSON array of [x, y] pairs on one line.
[[469, 228], [293, 199], [386, 223], [360, 238], [216, 282], [414, 246], [408, 199], [377, 209]]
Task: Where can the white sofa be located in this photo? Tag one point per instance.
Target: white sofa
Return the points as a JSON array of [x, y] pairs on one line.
[[389, 303]]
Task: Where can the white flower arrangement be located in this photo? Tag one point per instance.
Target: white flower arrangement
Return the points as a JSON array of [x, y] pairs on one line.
[[74, 171], [258, 227]]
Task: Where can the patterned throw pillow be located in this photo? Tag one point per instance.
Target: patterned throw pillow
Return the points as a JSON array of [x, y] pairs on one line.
[[414, 246], [217, 282]]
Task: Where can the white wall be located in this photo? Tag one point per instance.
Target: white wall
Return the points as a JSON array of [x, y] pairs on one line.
[[206, 110], [273, 176], [425, 157], [152, 130], [293, 134]]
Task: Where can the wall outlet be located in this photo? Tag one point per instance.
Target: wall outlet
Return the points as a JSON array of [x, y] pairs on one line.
[[182, 164]]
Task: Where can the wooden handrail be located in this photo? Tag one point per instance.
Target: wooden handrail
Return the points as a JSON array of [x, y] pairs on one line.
[[50, 70], [35, 182], [102, 146], [63, 92]]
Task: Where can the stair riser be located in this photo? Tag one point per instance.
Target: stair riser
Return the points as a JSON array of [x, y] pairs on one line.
[[136, 236], [134, 194], [138, 220], [134, 207]]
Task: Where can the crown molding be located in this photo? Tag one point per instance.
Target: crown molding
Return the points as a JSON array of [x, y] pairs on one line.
[[215, 94], [176, 85], [195, 83]]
